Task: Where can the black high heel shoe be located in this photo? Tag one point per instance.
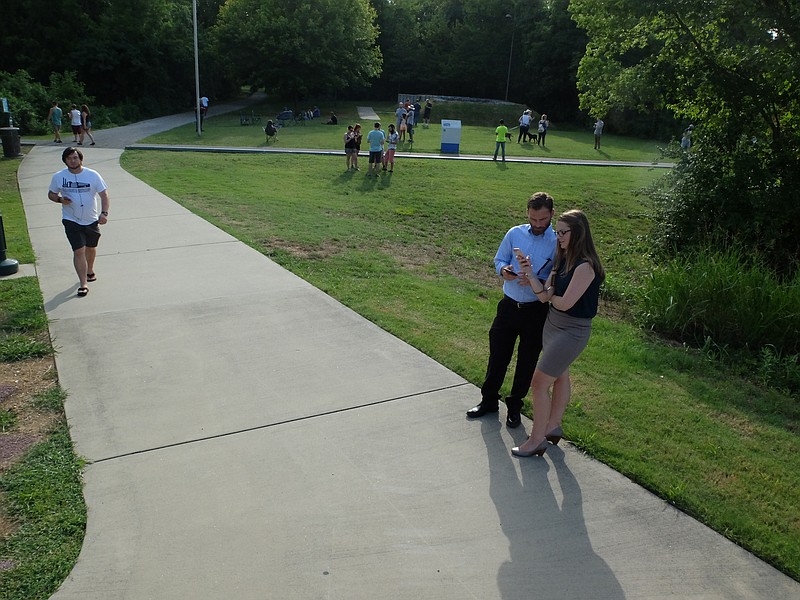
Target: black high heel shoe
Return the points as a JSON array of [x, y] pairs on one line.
[[538, 451], [555, 436]]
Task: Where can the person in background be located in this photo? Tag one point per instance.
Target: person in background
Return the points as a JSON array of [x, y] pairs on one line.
[[598, 132], [391, 148], [271, 131], [686, 140], [75, 122], [334, 120], [398, 115], [544, 124], [520, 314], [357, 136], [500, 139], [573, 291], [86, 124], [349, 147], [524, 126], [426, 115], [54, 116], [376, 139], [203, 110], [403, 127]]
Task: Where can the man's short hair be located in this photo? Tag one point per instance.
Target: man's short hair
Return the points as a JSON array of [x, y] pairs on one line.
[[377, 125], [540, 200]]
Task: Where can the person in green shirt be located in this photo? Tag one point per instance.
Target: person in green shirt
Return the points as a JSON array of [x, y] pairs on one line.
[[501, 134]]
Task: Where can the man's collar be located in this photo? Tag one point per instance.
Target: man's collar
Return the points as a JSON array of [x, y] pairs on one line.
[[530, 230]]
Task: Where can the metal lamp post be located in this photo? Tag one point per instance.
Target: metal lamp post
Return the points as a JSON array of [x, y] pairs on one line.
[[196, 70], [510, 53]]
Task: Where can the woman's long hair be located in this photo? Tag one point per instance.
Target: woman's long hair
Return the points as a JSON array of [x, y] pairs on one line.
[[581, 245]]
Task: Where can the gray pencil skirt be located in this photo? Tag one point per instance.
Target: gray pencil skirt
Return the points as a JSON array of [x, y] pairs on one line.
[[563, 339]]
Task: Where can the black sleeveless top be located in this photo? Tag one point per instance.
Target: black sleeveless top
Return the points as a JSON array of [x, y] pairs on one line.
[[586, 306]]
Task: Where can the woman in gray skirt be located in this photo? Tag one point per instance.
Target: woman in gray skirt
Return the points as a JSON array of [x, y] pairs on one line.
[[573, 290]]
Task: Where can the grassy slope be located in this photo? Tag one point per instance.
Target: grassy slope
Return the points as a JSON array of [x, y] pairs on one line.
[[662, 415]]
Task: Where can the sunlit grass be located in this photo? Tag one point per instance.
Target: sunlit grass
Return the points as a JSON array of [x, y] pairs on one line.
[[413, 253], [477, 134]]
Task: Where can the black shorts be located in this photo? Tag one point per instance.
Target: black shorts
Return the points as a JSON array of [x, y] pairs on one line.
[[376, 157], [81, 235], [76, 129]]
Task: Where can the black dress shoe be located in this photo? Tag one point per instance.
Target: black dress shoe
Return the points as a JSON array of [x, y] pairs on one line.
[[480, 410], [513, 420]]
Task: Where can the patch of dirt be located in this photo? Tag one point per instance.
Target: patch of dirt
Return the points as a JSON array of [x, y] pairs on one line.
[[20, 382], [7, 565]]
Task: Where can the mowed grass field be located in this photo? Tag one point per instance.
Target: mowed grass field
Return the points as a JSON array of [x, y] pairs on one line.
[[477, 133]]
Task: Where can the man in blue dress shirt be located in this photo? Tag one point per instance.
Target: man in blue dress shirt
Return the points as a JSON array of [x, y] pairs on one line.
[[520, 314]]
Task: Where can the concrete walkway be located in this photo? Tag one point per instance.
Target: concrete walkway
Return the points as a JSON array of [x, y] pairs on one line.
[[367, 113], [249, 437]]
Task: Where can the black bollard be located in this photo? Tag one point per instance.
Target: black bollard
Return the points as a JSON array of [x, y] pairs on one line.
[[8, 266]]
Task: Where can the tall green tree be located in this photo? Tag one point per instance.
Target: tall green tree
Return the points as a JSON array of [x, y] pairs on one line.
[[464, 47], [299, 47], [138, 52], [731, 68]]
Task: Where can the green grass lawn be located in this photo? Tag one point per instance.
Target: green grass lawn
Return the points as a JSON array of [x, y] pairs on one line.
[[413, 253], [16, 227], [40, 494], [477, 134]]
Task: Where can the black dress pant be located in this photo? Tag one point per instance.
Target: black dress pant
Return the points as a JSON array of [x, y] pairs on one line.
[[514, 321]]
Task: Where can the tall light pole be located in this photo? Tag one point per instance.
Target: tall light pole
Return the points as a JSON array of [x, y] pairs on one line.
[[510, 53], [196, 69]]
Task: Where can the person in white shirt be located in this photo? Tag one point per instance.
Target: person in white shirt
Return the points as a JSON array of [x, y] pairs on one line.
[[76, 189], [598, 132], [75, 122]]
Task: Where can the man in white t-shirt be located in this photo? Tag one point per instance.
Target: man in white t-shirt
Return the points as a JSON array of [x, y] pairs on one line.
[[76, 188]]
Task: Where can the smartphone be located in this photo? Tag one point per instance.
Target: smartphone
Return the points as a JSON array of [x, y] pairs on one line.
[[510, 271]]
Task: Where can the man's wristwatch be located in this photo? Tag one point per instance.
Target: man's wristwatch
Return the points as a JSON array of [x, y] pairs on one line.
[[104, 213]]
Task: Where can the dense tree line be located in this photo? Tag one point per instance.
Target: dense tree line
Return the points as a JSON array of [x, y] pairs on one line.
[[139, 53], [731, 68]]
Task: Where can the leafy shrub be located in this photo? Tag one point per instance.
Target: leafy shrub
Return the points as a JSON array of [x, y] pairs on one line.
[[27, 101], [729, 299], [733, 189], [30, 101]]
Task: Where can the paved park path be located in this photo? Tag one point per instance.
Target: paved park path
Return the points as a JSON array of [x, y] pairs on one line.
[[249, 437]]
